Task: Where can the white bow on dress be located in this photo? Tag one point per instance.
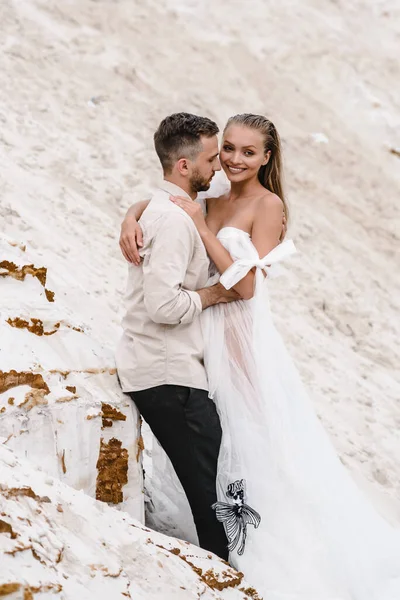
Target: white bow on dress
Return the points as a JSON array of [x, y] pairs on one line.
[[241, 267]]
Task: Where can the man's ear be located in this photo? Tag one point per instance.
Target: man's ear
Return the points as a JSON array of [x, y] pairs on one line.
[[267, 157], [183, 167]]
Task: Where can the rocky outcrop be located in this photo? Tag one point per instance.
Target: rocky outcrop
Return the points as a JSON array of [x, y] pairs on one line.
[[60, 403], [58, 543]]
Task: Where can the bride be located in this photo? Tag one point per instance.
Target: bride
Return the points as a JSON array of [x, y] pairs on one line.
[[297, 525]]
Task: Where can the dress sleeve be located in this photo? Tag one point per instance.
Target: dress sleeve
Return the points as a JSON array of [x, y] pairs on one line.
[[268, 264]]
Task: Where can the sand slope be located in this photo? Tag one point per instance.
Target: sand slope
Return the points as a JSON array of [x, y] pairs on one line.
[[83, 84]]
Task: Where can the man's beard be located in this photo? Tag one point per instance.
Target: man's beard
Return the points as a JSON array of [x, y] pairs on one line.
[[198, 183]]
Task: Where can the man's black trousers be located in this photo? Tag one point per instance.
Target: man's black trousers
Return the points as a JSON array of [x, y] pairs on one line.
[[186, 423]]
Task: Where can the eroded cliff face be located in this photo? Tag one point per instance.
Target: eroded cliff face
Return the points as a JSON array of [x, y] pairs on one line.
[[61, 408], [60, 403], [83, 86], [56, 542]]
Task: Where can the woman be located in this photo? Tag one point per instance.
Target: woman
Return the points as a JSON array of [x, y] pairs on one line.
[[297, 525]]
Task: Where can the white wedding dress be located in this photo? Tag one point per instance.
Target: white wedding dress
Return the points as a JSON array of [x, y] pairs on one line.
[[298, 525]]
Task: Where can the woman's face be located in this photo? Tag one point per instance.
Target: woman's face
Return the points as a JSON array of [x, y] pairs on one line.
[[242, 153]]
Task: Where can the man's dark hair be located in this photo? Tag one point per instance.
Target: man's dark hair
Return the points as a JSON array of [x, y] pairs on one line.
[[178, 136]]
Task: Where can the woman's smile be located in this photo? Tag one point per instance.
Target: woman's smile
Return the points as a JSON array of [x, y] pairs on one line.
[[235, 170]]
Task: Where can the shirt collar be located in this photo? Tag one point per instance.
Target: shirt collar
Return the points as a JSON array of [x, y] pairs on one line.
[[173, 189]]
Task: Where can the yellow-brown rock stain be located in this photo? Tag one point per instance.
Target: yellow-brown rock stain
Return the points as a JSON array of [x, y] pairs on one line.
[[17, 245], [251, 593], [12, 270], [140, 447], [23, 491], [65, 374], [67, 398], [63, 465], [9, 588], [104, 570], [35, 326], [112, 471], [34, 398], [215, 581], [13, 379], [6, 528], [50, 587], [49, 295], [109, 414], [229, 579], [18, 548]]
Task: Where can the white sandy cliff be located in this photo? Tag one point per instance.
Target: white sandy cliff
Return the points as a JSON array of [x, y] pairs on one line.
[[83, 85]]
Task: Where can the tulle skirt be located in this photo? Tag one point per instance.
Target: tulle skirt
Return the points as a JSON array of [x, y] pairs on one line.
[[316, 536], [299, 527]]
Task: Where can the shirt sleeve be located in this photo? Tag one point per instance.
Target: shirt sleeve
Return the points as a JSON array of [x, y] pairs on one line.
[[164, 272]]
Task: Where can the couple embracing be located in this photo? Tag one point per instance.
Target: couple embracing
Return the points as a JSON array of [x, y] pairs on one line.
[[201, 359]]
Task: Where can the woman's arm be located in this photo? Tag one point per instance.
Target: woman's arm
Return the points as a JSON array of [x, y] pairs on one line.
[[266, 231], [131, 238]]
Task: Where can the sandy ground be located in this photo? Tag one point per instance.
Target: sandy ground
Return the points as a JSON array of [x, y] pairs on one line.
[[84, 83]]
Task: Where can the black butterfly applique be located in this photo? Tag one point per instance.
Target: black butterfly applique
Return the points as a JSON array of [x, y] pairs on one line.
[[235, 517]]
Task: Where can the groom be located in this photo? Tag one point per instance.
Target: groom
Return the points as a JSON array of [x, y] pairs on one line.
[[160, 356]]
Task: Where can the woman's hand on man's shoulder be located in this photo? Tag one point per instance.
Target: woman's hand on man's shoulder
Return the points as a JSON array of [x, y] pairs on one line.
[[131, 239]]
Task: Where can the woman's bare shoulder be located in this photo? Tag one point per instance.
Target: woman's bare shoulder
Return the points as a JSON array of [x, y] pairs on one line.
[[269, 202]]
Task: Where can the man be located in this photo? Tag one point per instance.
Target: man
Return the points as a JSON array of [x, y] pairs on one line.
[[160, 355]]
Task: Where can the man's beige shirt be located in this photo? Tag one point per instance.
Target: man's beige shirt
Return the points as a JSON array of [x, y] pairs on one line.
[[162, 341]]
